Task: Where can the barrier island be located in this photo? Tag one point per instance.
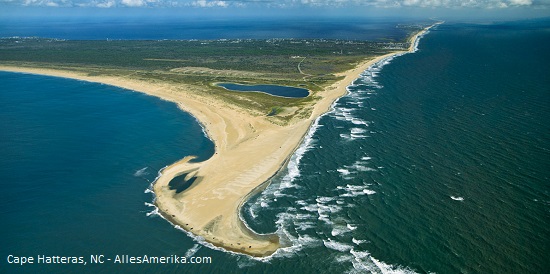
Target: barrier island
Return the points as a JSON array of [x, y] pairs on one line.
[[254, 133]]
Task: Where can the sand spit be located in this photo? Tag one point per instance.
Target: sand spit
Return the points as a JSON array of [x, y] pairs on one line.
[[249, 151]]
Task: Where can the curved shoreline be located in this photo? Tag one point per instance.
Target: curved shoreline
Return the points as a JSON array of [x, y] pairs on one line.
[[249, 152]]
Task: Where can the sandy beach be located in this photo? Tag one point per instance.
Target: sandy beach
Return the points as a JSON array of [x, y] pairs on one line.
[[249, 151]]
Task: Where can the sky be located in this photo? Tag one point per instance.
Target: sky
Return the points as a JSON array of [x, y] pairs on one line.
[[283, 3], [442, 9]]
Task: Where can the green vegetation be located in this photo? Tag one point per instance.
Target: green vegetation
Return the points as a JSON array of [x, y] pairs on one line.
[[275, 110], [311, 64]]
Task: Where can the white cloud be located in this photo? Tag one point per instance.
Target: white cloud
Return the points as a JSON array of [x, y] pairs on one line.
[[502, 5], [46, 3], [209, 4], [107, 4], [521, 2], [133, 3]]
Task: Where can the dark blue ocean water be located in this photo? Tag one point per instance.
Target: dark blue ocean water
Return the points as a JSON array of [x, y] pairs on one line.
[[437, 161], [76, 158]]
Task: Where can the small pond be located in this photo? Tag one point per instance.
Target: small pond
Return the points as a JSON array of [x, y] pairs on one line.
[[275, 90]]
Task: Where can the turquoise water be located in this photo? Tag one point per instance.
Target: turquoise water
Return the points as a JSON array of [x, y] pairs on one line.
[[437, 161], [274, 90]]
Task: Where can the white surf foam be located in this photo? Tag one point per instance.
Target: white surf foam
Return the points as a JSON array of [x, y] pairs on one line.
[[324, 199], [305, 225], [293, 167], [155, 212], [457, 198], [149, 188], [342, 247], [343, 171], [252, 212], [358, 136], [355, 190], [292, 172], [141, 172], [358, 242], [368, 191], [345, 136], [324, 210], [358, 166], [390, 269], [339, 230], [192, 250], [357, 121], [149, 204], [342, 113], [357, 130], [363, 262]]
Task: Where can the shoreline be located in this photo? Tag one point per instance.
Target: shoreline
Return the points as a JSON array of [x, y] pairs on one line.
[[249, 152]]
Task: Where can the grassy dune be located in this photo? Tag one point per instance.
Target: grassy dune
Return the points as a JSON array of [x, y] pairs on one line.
[[311, 64]]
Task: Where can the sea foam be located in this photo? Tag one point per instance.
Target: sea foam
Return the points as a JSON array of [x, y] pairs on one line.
[[332, 244], [457, 198], [141, 172], [192, 250]]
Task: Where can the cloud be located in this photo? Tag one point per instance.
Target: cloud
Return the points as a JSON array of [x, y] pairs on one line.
[[47, 3], [133, 3], [483, 4], [107, 4], [209, 4], [521, 2]]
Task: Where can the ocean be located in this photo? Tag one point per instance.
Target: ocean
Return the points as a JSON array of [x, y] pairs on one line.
[[436, 161], [211, 27]]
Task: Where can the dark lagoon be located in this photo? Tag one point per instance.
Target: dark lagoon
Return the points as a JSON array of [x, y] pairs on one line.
[[275, 90]]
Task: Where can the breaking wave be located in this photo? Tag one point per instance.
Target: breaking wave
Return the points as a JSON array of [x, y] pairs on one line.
[[141, 172], [304, 222], [322, 221]]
